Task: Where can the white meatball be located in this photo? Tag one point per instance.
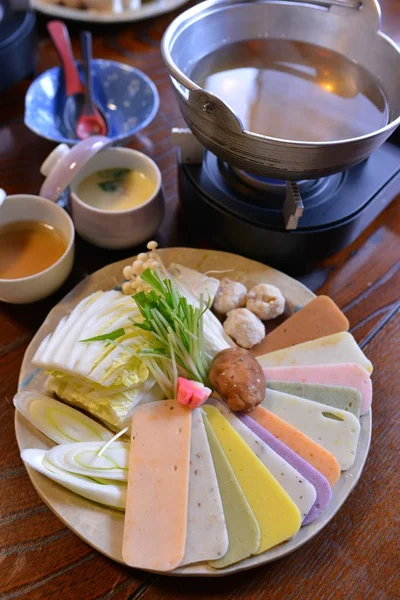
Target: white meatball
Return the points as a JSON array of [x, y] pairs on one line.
[[266, 301], [245, 328], [230, 295]]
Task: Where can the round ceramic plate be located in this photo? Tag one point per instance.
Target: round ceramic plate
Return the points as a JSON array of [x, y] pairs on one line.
[[147, 10], [102, 527]]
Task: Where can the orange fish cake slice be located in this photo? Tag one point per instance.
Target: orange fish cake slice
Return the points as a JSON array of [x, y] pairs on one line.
[[313, 453], [317, 319], [158, 481]]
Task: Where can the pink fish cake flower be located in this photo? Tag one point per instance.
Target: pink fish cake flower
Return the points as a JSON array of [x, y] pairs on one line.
[[192, 393]]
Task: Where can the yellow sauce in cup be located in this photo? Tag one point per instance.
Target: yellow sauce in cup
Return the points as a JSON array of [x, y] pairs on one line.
[[116, 189]]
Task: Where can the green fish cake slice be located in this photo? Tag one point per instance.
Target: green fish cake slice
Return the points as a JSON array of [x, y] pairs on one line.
[[345, 398], [243, 529]]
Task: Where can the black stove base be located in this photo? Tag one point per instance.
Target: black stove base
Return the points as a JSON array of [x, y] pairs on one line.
[[265, 239]]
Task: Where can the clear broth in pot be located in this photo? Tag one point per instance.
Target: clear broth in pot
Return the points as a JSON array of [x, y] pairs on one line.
[[293, 90]]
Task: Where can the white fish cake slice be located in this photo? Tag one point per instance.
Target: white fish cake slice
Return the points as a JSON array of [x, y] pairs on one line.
[[332, 349], [207, 535], [335, 430], [300, 490]]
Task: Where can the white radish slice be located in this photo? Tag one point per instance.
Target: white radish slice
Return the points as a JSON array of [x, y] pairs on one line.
[[59, 422], [113, 494], [334, 429], [300, 490], [207, 535], [82, 458]]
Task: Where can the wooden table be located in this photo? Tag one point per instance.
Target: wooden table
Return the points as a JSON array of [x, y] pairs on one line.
[[357, 554]]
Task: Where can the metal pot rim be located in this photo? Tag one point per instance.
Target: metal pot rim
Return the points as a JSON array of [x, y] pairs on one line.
[[189, 16]]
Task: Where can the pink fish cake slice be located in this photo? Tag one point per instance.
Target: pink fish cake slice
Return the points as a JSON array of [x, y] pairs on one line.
[[158, 482]]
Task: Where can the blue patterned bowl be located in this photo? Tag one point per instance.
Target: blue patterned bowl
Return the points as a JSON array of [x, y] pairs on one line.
[[127, 97]]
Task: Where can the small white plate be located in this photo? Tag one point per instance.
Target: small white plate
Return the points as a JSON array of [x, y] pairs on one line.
[[102, 527], [145, 11]]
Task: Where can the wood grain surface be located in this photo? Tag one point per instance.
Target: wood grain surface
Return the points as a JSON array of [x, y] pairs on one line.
[[357, 556]]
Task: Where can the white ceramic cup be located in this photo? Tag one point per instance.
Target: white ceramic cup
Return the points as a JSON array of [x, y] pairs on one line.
[[121, 229], [24, 207]]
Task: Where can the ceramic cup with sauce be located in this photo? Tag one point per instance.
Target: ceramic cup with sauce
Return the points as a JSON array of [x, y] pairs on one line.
[[105, 224], [17, 286], [120, 228]]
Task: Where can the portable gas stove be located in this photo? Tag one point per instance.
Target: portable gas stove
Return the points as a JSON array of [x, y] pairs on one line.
[[288, 225]]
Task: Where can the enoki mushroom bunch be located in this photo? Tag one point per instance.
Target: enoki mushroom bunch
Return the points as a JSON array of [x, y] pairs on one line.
[[132, 273]]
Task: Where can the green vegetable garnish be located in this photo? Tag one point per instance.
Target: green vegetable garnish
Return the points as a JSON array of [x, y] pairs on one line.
[[110, 186], [113, 173], [111, 336], [173, 343], [113, 179]]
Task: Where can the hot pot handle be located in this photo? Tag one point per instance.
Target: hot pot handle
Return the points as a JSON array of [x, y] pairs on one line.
[[213, 110]]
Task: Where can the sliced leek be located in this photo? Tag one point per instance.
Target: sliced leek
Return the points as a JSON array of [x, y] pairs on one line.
[[84, 459], [112, 494], [57, 421]]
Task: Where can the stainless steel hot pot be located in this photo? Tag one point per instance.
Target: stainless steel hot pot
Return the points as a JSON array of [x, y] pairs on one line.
[[349, 27]]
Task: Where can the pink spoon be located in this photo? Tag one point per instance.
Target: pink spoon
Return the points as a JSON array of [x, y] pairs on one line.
[[73, 86], [90, 121]]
